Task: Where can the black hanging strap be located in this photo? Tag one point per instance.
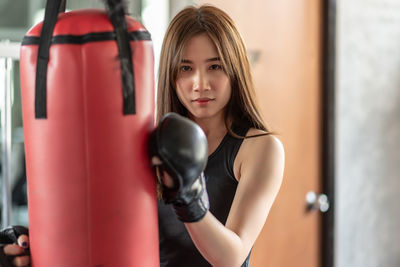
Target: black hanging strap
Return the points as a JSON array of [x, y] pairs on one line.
[[62, 6], [50, 19], [116, 13]]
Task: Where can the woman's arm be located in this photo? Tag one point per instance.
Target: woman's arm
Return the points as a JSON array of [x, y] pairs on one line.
[[18, 250], [261, 167]]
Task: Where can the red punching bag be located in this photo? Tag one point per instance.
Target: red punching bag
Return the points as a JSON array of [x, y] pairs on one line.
[[88, 106]]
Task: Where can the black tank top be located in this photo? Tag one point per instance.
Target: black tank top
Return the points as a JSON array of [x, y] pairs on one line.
[[176, 246]]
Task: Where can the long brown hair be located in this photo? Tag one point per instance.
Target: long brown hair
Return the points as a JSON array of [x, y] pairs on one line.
[[220, 28]]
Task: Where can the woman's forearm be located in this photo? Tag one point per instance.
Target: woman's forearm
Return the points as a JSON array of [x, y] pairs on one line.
[[219, 245]]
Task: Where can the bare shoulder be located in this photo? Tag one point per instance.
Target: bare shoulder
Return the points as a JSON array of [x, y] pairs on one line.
[[259, 152], [258, 141]]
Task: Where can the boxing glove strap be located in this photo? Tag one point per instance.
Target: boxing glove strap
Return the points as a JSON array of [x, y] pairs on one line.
[[193, 212], [196, 209]]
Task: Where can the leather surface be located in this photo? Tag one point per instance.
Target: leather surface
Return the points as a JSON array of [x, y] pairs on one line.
[[91, 191]]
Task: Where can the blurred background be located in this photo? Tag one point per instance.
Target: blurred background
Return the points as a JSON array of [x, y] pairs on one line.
[[327, 75]]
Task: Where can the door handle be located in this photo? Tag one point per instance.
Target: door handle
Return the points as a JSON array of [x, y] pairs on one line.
[[316, 201]]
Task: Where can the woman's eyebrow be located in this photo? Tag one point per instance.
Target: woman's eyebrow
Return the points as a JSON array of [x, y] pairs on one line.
[[213, 59], [207, 60]]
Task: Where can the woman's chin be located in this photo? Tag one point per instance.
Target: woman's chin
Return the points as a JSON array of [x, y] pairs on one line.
[[205, 115]]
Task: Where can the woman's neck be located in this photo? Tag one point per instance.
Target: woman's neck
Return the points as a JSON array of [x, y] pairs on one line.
[[212, 126], [214, 129]]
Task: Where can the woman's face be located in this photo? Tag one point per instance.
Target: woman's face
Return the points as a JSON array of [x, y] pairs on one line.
[[202, 85]]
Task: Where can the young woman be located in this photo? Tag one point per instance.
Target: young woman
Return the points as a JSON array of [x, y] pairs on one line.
[[204, 74]]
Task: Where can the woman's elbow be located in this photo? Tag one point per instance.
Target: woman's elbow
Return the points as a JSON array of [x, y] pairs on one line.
[[236, 259]]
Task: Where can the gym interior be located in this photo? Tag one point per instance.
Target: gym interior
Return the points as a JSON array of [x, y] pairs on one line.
[[327, 78]]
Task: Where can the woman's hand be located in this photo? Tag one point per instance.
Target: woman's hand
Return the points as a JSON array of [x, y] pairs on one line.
[[14, 249], [164, 177], [18, 251]]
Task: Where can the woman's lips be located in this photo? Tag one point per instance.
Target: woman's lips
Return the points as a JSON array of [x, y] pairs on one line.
[[203, 100]]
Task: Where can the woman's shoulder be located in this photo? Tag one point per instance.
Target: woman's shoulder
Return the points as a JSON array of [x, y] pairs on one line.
[[257, 137], [259, 148]]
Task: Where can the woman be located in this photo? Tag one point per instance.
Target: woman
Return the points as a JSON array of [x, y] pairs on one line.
[[204, 74]]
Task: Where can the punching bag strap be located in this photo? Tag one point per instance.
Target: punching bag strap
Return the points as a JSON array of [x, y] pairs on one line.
[[62, 6], [116, 13], [50, 19]]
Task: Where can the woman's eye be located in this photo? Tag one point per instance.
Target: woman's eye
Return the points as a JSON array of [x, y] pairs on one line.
[[215, 67], [185, 68]]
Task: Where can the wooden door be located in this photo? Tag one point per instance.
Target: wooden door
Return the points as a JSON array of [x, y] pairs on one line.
[[285, 36]]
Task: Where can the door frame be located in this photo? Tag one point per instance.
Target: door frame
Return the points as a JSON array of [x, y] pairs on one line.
[[328, 129]]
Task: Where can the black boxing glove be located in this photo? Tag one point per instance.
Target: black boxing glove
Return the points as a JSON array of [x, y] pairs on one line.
[[10, 235], [182, 147]]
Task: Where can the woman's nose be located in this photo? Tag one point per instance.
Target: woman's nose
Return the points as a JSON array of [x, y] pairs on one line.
[[200, 81]]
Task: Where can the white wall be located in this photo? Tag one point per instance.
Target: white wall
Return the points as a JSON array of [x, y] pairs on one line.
[[368, 134]]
